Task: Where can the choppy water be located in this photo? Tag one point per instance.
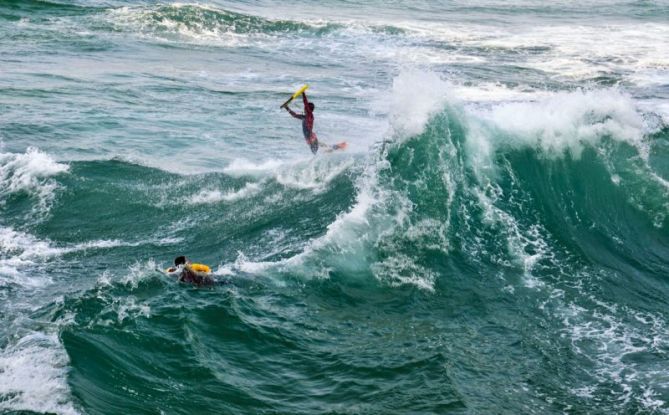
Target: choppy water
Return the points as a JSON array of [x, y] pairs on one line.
[[495, 240]]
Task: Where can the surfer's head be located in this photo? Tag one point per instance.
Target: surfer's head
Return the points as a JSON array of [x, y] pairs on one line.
[[312, 106], [180, 260]]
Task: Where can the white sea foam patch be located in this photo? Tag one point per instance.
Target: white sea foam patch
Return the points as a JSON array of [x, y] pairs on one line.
[[130, 308], [209, 196], [31, 172], [565, 121], [25, 245], [20, 252], [195, 23], [243, 167], [162, 22], [525, 245], [624, 347], [116, 243], [243, 264], [118, 310], [587, 51], [313, 173], [576, 51], [29, 248], [401, 269], [33, 375], [491, 92], [415, 96], [139, 271]]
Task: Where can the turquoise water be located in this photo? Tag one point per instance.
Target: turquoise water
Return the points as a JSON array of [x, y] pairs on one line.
[[493, 241]]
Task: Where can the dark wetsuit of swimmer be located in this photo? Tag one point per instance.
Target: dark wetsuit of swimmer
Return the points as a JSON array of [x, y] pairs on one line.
[[307, 124], [192, 277], [188, 275]]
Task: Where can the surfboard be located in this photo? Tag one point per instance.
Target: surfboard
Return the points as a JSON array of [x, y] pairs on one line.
[[338, 146], [295, 95]]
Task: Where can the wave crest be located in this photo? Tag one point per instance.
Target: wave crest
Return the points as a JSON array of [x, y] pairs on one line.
[[199, 21], [31, 173]]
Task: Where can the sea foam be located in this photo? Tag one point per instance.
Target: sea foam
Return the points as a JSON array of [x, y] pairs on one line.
[[34, 375], [32, 173]]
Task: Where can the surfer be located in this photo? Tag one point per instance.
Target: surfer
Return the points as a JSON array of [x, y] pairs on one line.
[[187, 271], [307, 123]]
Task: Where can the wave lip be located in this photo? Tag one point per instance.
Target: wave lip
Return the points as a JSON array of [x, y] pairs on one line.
[[568, 120], [31, 172]]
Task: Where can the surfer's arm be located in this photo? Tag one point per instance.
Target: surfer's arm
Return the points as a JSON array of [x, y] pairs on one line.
[[306, 103], [308, 112], [294, 114]]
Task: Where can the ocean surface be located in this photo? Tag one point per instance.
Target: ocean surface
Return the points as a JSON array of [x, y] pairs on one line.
[[495, 239]]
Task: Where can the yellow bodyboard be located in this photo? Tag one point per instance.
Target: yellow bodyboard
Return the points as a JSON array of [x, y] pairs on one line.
[[299, 91], [200, 268], [295, 95]]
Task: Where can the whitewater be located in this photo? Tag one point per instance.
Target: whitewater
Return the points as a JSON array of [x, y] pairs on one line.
[[495, 238]]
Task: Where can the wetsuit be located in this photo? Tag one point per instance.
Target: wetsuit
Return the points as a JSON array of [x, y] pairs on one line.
[[197, 274], [190, 276], [307, 124]]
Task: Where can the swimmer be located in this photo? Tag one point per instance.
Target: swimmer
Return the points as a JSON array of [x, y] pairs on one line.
[[198, 274]]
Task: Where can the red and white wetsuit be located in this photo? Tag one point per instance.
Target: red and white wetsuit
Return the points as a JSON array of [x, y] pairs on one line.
[[307, 124]]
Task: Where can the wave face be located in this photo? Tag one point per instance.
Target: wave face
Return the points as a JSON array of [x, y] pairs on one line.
[[494, 240]]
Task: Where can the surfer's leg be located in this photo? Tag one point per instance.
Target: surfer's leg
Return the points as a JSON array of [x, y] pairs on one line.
[[313, 143]]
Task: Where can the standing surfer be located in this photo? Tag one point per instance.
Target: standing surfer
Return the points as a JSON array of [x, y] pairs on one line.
[[307, 122]]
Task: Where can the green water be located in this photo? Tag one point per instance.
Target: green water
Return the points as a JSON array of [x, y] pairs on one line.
[[493, 241]]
